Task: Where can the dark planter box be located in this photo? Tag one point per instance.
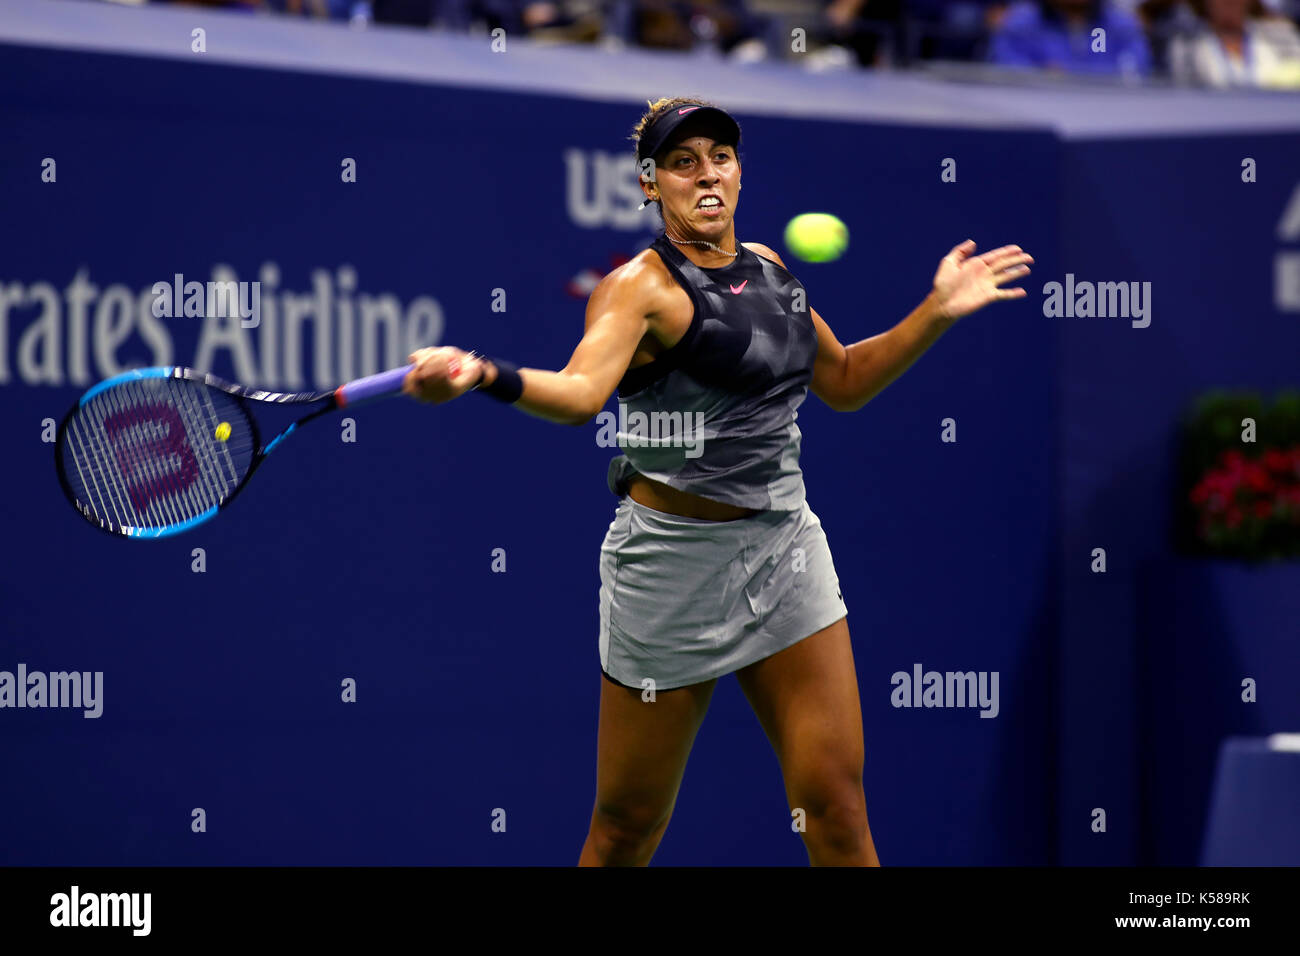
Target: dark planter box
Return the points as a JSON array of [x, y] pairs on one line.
[[1203, 627]]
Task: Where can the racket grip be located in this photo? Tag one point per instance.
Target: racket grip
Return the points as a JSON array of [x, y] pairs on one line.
[[372, 386]]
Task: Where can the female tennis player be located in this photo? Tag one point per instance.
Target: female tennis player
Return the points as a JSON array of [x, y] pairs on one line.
[[714, 563]]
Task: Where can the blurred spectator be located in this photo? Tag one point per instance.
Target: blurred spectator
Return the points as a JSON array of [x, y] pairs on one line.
[[1057, 35], [1237, 45], [952, 29], [321, 9], [243, 6], [870, 29], [516, 17], [410, 13], [725, 25], [572, 21], [1162, 20]]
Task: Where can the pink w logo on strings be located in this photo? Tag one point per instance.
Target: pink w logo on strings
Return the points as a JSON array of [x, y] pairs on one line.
[[152, 455]]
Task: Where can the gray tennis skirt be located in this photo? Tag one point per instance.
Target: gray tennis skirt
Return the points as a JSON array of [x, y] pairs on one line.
[[684, 600]]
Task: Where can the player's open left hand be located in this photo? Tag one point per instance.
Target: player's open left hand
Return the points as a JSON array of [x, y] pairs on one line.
[[441, 374], [964, 283]]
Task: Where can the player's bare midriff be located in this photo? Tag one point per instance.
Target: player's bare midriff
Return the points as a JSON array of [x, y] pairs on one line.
[[670, 321]]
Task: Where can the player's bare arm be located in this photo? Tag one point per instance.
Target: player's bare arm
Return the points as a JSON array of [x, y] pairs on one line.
[[619, 313], [847, 377]]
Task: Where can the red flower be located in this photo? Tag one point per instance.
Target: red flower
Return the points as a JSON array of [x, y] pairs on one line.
[[1220, 485], [1275, 460], [1257, 479], [1240, 496]]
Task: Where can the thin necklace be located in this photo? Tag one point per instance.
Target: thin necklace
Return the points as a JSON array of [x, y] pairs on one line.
[[682, 242]]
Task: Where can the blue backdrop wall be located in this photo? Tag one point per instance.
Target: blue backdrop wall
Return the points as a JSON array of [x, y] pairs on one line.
[[1155, 650], [372, 560]]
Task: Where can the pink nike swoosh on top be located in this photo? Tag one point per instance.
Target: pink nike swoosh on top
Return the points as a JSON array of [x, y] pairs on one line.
[[736, 291], [687, 109]]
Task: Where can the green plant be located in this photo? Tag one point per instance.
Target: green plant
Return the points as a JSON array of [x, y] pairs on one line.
[[1240, 498]]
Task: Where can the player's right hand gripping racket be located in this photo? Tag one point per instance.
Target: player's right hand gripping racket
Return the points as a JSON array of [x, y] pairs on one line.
[[157, 451]]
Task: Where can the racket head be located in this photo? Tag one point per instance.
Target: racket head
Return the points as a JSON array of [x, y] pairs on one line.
[[140, 454]]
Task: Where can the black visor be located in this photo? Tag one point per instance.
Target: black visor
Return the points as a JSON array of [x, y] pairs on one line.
[[662, 129]]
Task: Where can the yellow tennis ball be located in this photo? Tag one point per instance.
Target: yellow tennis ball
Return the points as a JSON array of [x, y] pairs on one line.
[[817, 237], [223, 431]]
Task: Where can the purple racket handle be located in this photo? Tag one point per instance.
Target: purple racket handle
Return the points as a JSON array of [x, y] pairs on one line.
[[372, 386]]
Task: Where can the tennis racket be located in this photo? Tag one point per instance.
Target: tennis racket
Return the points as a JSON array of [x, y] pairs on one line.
[[157, 451]]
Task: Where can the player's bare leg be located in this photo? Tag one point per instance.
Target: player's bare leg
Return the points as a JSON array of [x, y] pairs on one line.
[[806, 698], [641, 752]]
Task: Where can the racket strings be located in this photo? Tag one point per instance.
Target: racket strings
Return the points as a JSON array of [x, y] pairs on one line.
[[163, 483], [141, 474], [146, 454]]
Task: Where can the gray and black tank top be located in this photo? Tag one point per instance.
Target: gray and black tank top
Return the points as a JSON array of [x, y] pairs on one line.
[[715, 414]]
